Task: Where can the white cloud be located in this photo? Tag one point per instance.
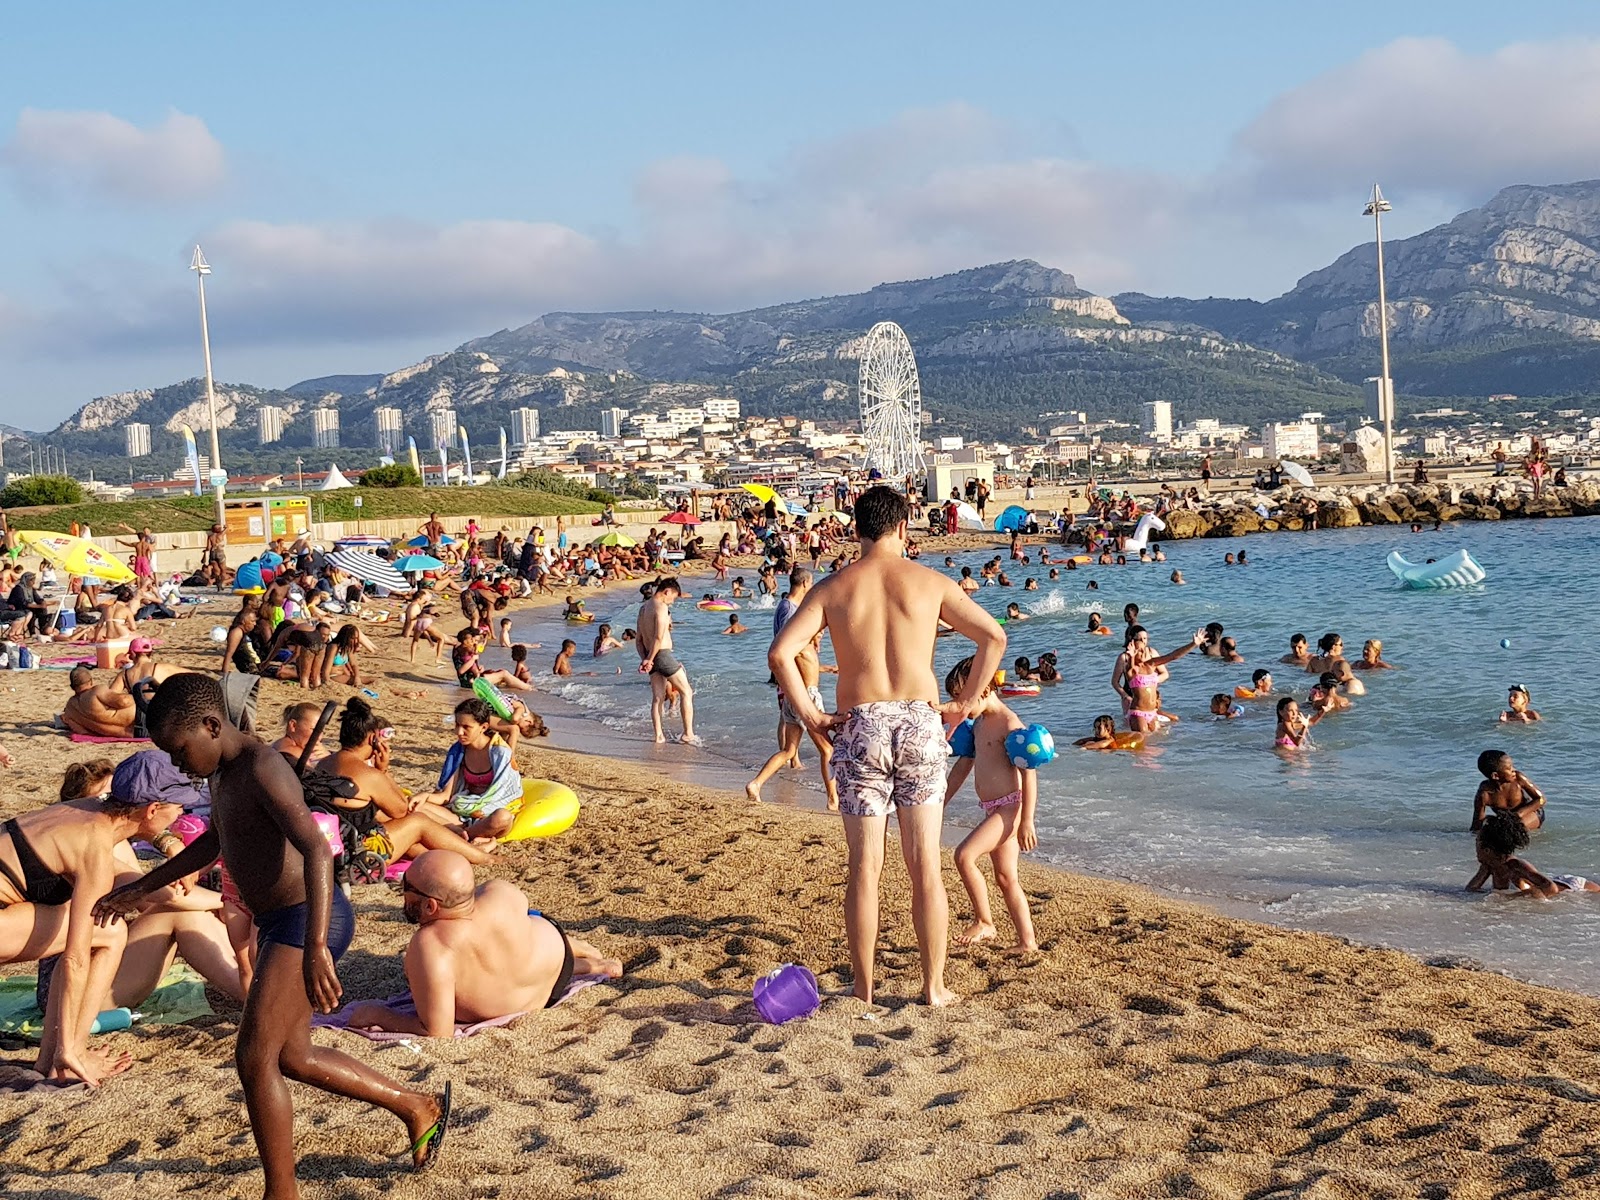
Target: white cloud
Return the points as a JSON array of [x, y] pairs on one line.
[[99, 156], [1423, 113]]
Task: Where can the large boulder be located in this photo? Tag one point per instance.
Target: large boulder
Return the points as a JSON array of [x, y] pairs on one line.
[[1448, 512], [1184, 523], [1484, 512], [1381, 513], [1236, 523], [1548, 506], [1337, 516]]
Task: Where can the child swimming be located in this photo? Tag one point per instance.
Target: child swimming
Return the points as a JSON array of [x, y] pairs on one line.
[[1047, 670], [1222, 705], [1499, 838], [1507, 790], [1007, 795], [1024, 670], [1294, 729], [1103, 737], [1517, 710]]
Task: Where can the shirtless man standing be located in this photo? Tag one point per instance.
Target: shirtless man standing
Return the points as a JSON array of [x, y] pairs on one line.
[[216, 564], [657, 660], [97, 710], [889, 734], [433, 530], [479, 954]]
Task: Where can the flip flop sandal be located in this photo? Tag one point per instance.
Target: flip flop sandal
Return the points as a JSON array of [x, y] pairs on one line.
[[432, 1139]]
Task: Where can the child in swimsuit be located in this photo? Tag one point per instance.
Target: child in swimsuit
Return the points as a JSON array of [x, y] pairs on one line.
[[1007, 795], [1222, 705], [1294, 729], [1500, 836], [1507, 790], [1104, 736], [1517, 710]]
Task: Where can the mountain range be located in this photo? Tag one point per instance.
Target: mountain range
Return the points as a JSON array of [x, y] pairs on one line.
[[1503, 299]]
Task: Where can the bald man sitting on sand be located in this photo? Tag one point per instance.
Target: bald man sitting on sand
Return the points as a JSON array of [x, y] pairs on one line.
[[480, 952], [97, 710]]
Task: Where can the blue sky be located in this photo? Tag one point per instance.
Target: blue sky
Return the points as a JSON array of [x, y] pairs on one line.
[[375, 182]]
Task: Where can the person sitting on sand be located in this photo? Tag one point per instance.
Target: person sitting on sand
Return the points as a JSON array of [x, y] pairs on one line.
[[379, 811], [141, 664], [1506, 789], [1499, 838], [479, 783], [97, 709], [478, 953], [734, 627], [1294, 729], [1299, 655], [1007, 795], [519, 662], [299, 724], [1517, 710], [1372, 657], [340, 655], [1102, 737], [469, 669]]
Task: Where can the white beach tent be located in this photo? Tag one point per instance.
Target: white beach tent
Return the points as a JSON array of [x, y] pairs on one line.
[[335, 480]]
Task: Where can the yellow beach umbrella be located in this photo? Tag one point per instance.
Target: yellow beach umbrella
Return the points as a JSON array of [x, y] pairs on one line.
[[75, 555], [760, 491], [615, 539]]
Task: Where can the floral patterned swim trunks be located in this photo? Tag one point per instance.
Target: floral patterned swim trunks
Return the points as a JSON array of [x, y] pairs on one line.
[[889, 754]]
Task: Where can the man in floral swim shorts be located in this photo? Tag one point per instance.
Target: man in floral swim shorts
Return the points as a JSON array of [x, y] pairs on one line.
[[883, 613]]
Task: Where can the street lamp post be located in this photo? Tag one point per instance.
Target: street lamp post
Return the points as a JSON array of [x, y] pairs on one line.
[[299, 473], [1375, 209], [201, 268]]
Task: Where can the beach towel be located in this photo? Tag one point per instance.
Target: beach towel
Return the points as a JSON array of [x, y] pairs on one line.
[[504, 790], [403, 1005], [181, 997], [93, 739]]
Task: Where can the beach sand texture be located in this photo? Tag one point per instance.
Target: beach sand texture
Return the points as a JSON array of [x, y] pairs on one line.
[[1151, 1049]]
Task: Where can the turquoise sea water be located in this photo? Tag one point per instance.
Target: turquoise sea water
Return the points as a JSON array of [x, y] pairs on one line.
[[1363, 836]]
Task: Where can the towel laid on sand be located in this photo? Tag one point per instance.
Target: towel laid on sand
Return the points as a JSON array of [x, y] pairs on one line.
[[93, 739], [403, 1005], [181, 997]]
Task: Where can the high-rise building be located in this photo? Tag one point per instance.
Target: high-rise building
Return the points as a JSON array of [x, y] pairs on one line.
[[524, 426], [269, 425], [390, 427], [183, 471], [325, 428], [722, 408], [611, 420], [1156, 423], [442, 425], [136, 440]]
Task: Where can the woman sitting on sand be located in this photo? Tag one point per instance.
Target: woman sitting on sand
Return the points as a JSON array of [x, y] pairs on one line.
[[55, 862], [1499, 838], [243, 648], [299, 724], [380, 811]]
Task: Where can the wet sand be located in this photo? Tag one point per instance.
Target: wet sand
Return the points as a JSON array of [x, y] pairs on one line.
[[1150, 1049]]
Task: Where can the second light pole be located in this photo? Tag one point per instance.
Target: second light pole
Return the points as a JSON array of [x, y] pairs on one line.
[[201, 268], [1375, 209]]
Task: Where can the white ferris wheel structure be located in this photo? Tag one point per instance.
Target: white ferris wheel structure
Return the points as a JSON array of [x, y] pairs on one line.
[[891, 403]]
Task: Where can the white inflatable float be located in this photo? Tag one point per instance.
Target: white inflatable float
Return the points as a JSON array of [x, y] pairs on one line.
[[1452, 571], [1141, 532]]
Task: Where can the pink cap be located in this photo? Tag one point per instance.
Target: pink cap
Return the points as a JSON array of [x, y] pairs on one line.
[[141, 646]]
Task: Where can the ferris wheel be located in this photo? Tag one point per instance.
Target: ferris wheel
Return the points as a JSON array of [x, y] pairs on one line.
[[891, 402]]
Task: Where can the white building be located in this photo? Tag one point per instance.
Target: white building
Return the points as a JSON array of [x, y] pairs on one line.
[[325, 428], [611, 421], [684, 419], [1156, 423], [390, 424], [269, 425], [524, 426], [183, 471], [442, 426], [136, 439], [1290, 439], [721, 408]]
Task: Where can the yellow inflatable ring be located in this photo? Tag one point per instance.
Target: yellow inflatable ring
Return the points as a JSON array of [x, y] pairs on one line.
[[548, 808], [1243, 693], [1128, 741], [580, 618]]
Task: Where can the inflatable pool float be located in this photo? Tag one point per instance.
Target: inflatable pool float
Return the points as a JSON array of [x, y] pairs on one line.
[[1452, 571], [717, 606], [1020, 689], [580, 618], [1128, 741], [493, 697], [548, 808], [1141, 533], [1243, 693]]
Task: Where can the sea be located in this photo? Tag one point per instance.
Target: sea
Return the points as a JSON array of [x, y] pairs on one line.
[[1363, 836]]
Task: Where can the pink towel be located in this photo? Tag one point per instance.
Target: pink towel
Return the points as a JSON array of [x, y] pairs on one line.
[[92, 739], [403, 1005]]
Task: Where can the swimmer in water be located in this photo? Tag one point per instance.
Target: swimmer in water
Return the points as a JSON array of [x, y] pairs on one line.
[[1372, 657], [1093, 586], [1298, 655], [1031, 585], [1517, 709], [1345, 674], [1325, 697], [1261, 683], [1222, 705], [1228, 651], [1104, 736], [1047, 671], [1499, 838], [1242, 560], [1227, 560], [1096, 625], [1014, 612], [1330, 648], [1506, 790], [1177, 578], [1213, 643], [1054, 574], [1294, 728], [735, 626], [1025, 671]]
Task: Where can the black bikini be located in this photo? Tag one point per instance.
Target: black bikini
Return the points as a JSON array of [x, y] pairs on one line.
[[39, 884]]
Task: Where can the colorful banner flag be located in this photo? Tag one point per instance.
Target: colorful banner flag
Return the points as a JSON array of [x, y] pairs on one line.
[[466, 450], [416, 463], [502, 474], [193, 452]]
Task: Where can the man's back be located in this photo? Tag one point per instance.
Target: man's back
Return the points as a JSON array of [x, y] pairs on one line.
[[501, 961], [883, 614]]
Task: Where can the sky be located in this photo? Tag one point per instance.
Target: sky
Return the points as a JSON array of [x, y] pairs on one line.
[[376, 182]]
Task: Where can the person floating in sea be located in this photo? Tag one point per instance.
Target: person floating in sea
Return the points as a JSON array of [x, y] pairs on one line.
[[1506, 789], [1102, 737], [1294, 729], [1372, 657], [1008, 796], [883, 613], [1298, 655], [1048, 671], [283, 868], [1517, 710], [1222, 705], [1499, 838]]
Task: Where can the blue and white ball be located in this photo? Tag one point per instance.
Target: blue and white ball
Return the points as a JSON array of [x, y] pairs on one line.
[[1030, 748]]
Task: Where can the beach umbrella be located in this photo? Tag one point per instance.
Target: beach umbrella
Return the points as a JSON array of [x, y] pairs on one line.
[[369, 568], [965, 513], [796, 509], [760, 491], [361, 541], [615, 539], [421, 540], [75, 555], [1299, 474], [418, 562], [680, 518]]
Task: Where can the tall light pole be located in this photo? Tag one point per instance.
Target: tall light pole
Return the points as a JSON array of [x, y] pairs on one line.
[[201, 268], [299, 473], [1375, 209]]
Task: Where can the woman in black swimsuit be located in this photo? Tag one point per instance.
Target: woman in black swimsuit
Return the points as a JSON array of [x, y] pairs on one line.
[[55, 863]]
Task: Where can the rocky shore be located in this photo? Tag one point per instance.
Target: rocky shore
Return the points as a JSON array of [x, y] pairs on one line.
[[1495, 499]]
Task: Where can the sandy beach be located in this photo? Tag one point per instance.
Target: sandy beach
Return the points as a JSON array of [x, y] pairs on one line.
[[1151, 1048]]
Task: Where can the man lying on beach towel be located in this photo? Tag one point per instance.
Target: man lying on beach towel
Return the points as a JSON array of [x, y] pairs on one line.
[[98, 710], [479, 955]]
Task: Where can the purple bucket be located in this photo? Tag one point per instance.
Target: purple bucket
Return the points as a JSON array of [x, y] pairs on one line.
[[787, 993]]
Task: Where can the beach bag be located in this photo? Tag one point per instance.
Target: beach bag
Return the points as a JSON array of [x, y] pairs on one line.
[[25, 659]]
